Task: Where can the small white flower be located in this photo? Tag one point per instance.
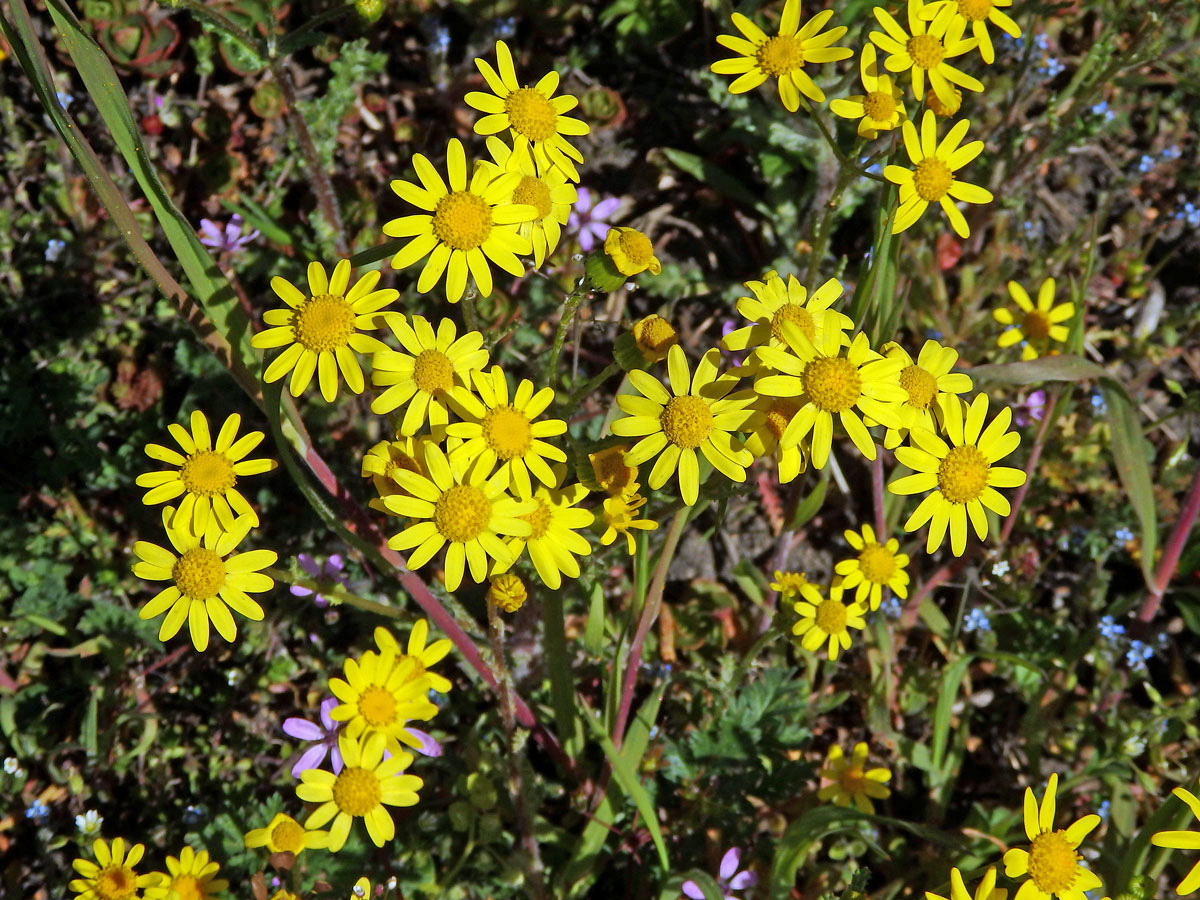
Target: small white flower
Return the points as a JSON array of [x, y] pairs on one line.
[[1000, 569], [89, 823], [12, 767]]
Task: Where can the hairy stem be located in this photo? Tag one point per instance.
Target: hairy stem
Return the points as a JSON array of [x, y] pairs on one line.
[[569, 306], [1172, 550]]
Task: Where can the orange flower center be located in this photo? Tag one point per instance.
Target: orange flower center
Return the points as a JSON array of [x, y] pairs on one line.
[[833, 383], [879, 105], [1036, 325]]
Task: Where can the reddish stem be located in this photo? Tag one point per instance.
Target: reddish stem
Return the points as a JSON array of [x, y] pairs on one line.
[[1035, 454], [1172, 551]]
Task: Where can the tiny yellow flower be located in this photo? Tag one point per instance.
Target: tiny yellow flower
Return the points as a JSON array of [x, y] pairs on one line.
[[192, 874], [1183, 840], [654, 336], [881, 108], [112, 876], [508, 592], [794, 586], [323, 329], [782, 56], [553, 543], [924, 49], [544, 187], [929, 383], [775, 303], [285, 835], [631, 251], [620, 516], [877, 565], [766, 426], [931, 180], [986, 890], [851, 781], [610, 471], [944, 110], [1052, 860], [829, 620], [380, 695], [382, 461], [1036, 325]]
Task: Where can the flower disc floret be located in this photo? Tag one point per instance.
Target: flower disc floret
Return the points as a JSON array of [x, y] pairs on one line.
[[433, 371], [922, 387], [975, 10], [654, 336], [963, 474], [324, 323], [831, 616], [532, 191], [798, 316], [780, 55], [462, 220], [356, 791], [539, 520], [1036, 325], [199, 573], [926, 50], [687, 421], [833, 383], [879, 105], [531, 114], [207, 473], [877, 563], [377, 706], [932, 179], [1052, 862], [631, 251], [462, 513], [506, 431], [288, 836], [779, 414]]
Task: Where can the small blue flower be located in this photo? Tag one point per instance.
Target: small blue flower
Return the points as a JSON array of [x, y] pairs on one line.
[[1105, 809], [1101, 109], [1042, 42], [1172, 152], [1123, 534], [1189, 212], [1137, 655], [891, 608], [1053, 68], [64, 99], [1109, 628], [194, 815], [1146, 163], [38, 812], [1098, 403], [54, 249], [976, 620], [932, 334]]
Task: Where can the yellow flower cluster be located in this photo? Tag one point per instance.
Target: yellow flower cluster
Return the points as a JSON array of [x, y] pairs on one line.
[[207, 579], [112, 875]]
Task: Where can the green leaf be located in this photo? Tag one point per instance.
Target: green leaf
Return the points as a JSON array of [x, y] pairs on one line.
[[554, 640], [1132, 455], [87, 731], [593, 632], [1064, 367], [713, 176], [952, 680], [810, 505]]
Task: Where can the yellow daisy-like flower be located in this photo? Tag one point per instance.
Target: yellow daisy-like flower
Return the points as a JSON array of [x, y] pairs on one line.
[[285, 835], [1183, 840], [366, 785], [877, 565], [961, 475], [461, 506], [654, 337], [698, 413], [191, 875], [553, 542], [380, 695], [500, 428], [464, 225], [929, 383], [542, 186], [830, 620], [382, 461], [931, 180], [924, 49], [986, 890], [322, 328], [881, 108], [508, 592], [775, 303], [112, 876], [631, 251], [795, 586], [609, 469], [1052, 860], [422, 655], [851, 780], [425, 373], [207, 474], [206, 580], [1036, 325], [944, 110], [829, 379], [782, 56], [533, 113], [973, 14], [620, 516], [766, 427]]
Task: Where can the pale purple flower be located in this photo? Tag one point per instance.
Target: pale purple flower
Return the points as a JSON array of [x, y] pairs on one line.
[[1032, 409], [328, 572], [428, 746], [735, 359], [323, 736], [228, 239], [729, 879], [588, 219]]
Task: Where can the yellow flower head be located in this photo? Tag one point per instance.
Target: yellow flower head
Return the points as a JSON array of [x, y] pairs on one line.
[[620, 516], [362, 790], [462, 506], [380, 695], [630, 251], [533, 113], [1183, 840], [986, 890], [323, 329], [418, 652], [924, 49], [205, 580], [508, 592], [1052, 860], [973, 14], [944, 110], [382, 461], [553, 542], [206, 474], [285, 835], [502, 428], [828, 379], [424, 374], [699, 413], [851, 781], [1037, 325], [782, 56], [829, 620], [770, 419], [775, 304], [881, 108], [192, 875], [612, 475], [961, 475], [654, 337], [930, 385], [463, 226], [877, 565], [794, 586], [542, 186], [931, 180], [112, 876]]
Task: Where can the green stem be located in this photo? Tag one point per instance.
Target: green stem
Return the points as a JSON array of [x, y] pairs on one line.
[[470, 313], [821, 234], [592, 384], [569, 306], [335, 591], [224, 24], [825, 132]]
